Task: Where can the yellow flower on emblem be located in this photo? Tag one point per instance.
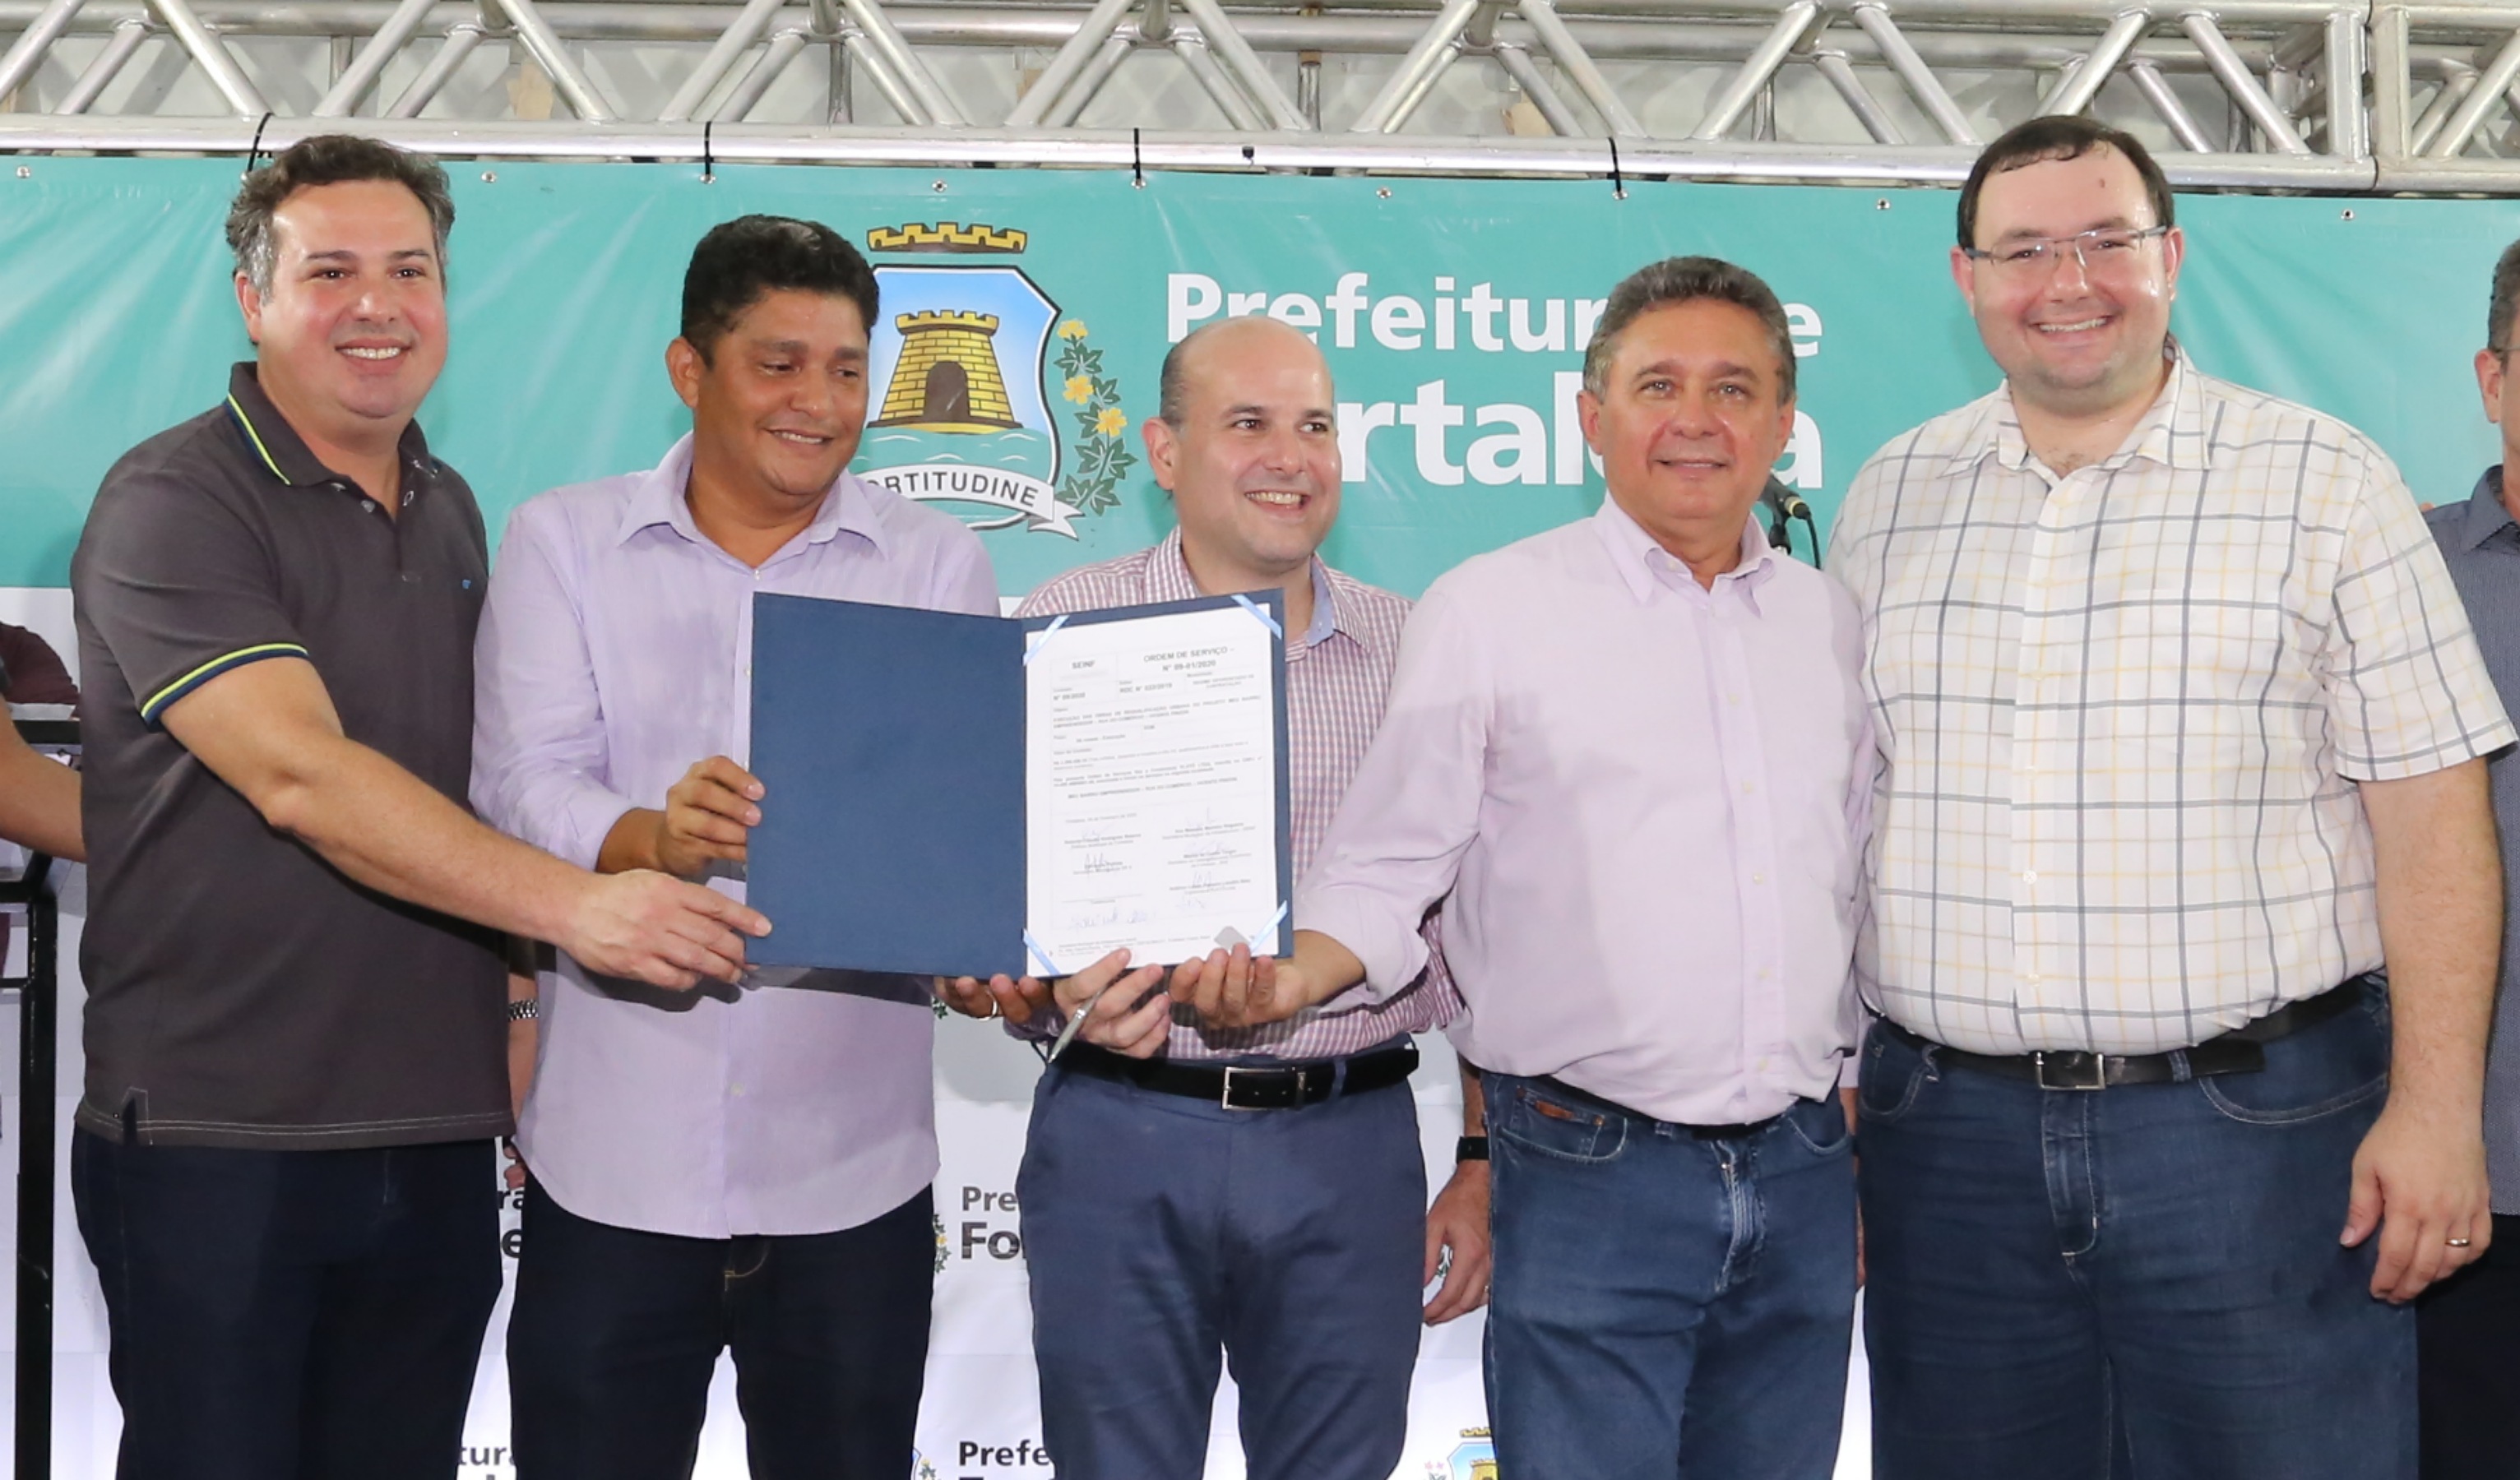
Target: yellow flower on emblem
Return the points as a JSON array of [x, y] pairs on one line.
[[1079, 390], [1111, 423], [1073, 328]]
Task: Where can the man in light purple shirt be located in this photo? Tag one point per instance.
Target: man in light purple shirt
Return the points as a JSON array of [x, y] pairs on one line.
[[1625, 754], [744, 1168]]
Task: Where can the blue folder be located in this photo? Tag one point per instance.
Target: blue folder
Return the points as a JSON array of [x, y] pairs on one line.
[[890, 746]]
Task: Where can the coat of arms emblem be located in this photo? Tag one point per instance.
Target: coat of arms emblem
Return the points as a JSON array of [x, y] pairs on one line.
[[962, 362]]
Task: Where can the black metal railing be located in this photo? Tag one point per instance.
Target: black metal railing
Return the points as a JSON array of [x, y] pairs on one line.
[[39, 997]]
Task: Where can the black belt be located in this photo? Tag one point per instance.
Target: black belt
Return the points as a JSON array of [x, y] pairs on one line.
[[1736, 1132], [2239, 1051], [1250, 1086]]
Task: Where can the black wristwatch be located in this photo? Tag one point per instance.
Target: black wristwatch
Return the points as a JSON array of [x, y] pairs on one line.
[[1470, 1149]]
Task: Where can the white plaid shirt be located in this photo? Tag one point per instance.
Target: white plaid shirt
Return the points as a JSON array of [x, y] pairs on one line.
[[2123, 711], [1336, 675]]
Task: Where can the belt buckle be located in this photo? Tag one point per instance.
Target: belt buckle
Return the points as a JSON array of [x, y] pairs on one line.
[[2075, 1069], [1225, 1096]]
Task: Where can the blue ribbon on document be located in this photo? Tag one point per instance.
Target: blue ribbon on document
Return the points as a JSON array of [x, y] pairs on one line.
[[1033, 948], [1274, 921], [1266, 620], [1038, 640]]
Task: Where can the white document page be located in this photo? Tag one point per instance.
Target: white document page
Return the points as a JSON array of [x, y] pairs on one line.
[[1151, 788]]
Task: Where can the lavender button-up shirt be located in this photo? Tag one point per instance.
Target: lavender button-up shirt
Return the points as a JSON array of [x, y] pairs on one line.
[[1647, 801], [615, 650]]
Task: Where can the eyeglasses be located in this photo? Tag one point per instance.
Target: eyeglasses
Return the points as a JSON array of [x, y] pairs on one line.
[[2105, 249]]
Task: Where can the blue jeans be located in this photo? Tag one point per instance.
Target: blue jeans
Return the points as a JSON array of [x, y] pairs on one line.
[[1664, 1303], [1163, 1232], [2141, 1281]]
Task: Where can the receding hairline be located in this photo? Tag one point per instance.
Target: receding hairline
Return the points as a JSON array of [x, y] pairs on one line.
[[1196, 349]]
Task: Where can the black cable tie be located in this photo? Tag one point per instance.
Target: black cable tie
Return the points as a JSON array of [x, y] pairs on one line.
[[1137, 163], [1618, 185], [253, 151], [708, 154]]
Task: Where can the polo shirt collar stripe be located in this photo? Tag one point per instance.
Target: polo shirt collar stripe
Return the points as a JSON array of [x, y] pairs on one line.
[[244, 424], [282, 450]]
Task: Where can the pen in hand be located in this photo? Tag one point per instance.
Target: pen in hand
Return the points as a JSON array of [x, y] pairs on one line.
[[1076, 1022], [1225, 941], [1067, 1035]]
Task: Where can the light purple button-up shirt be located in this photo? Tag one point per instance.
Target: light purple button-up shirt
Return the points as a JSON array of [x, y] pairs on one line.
[[1647, 801], [615, 650]]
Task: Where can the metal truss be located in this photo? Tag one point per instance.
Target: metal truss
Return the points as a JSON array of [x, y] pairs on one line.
[[2348, 96]]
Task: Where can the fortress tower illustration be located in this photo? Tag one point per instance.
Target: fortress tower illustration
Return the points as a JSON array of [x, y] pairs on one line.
[[947, 378]]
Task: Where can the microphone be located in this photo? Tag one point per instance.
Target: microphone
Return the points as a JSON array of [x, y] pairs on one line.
[[1783, 507], [1782, 501]]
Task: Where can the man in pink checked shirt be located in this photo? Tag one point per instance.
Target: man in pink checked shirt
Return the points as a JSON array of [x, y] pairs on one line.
[[1625, 754], [1274, 1214]]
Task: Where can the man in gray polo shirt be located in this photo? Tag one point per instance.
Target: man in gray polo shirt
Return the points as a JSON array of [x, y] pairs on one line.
[[295, 1020], [2467, 1328]]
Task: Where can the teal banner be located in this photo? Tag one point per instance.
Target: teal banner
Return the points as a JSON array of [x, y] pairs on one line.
[[1025, 313]]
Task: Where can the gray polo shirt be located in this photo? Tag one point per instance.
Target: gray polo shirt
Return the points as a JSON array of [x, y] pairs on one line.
[[242, 992], [2482, 546]]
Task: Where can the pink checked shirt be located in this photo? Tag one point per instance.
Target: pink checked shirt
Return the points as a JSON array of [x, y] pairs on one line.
[[1337, 674]]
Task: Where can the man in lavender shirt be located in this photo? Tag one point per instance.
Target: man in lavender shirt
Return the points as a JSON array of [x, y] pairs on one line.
[[744, 1168], [1625, 755]]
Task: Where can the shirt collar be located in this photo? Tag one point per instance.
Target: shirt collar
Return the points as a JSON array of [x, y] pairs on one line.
[[1647, 567], [2172, 432], [277, 446], [659, 498], [1168, 579], [2485, 516]]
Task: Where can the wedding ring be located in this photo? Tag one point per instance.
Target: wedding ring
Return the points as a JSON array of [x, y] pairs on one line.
[[2461, 1243]]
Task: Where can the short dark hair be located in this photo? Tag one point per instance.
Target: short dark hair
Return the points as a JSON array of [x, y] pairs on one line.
[[1687, 280], [329, 160], [2061, 137], [740, 260], [2505, 302], [1172, 381]]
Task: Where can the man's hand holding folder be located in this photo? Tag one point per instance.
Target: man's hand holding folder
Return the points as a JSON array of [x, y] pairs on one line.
[[1107, 1004]]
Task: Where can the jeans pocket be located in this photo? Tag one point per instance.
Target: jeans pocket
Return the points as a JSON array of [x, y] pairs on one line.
[[1547, 1125], [2319, 1071], [1820, 1126], [1890, 1077]]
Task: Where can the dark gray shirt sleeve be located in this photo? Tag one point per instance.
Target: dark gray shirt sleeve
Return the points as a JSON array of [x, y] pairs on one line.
[[179, 585]]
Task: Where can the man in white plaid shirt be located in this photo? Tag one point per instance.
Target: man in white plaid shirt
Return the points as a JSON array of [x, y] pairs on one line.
[[2185, 893], [1277, 1217]]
